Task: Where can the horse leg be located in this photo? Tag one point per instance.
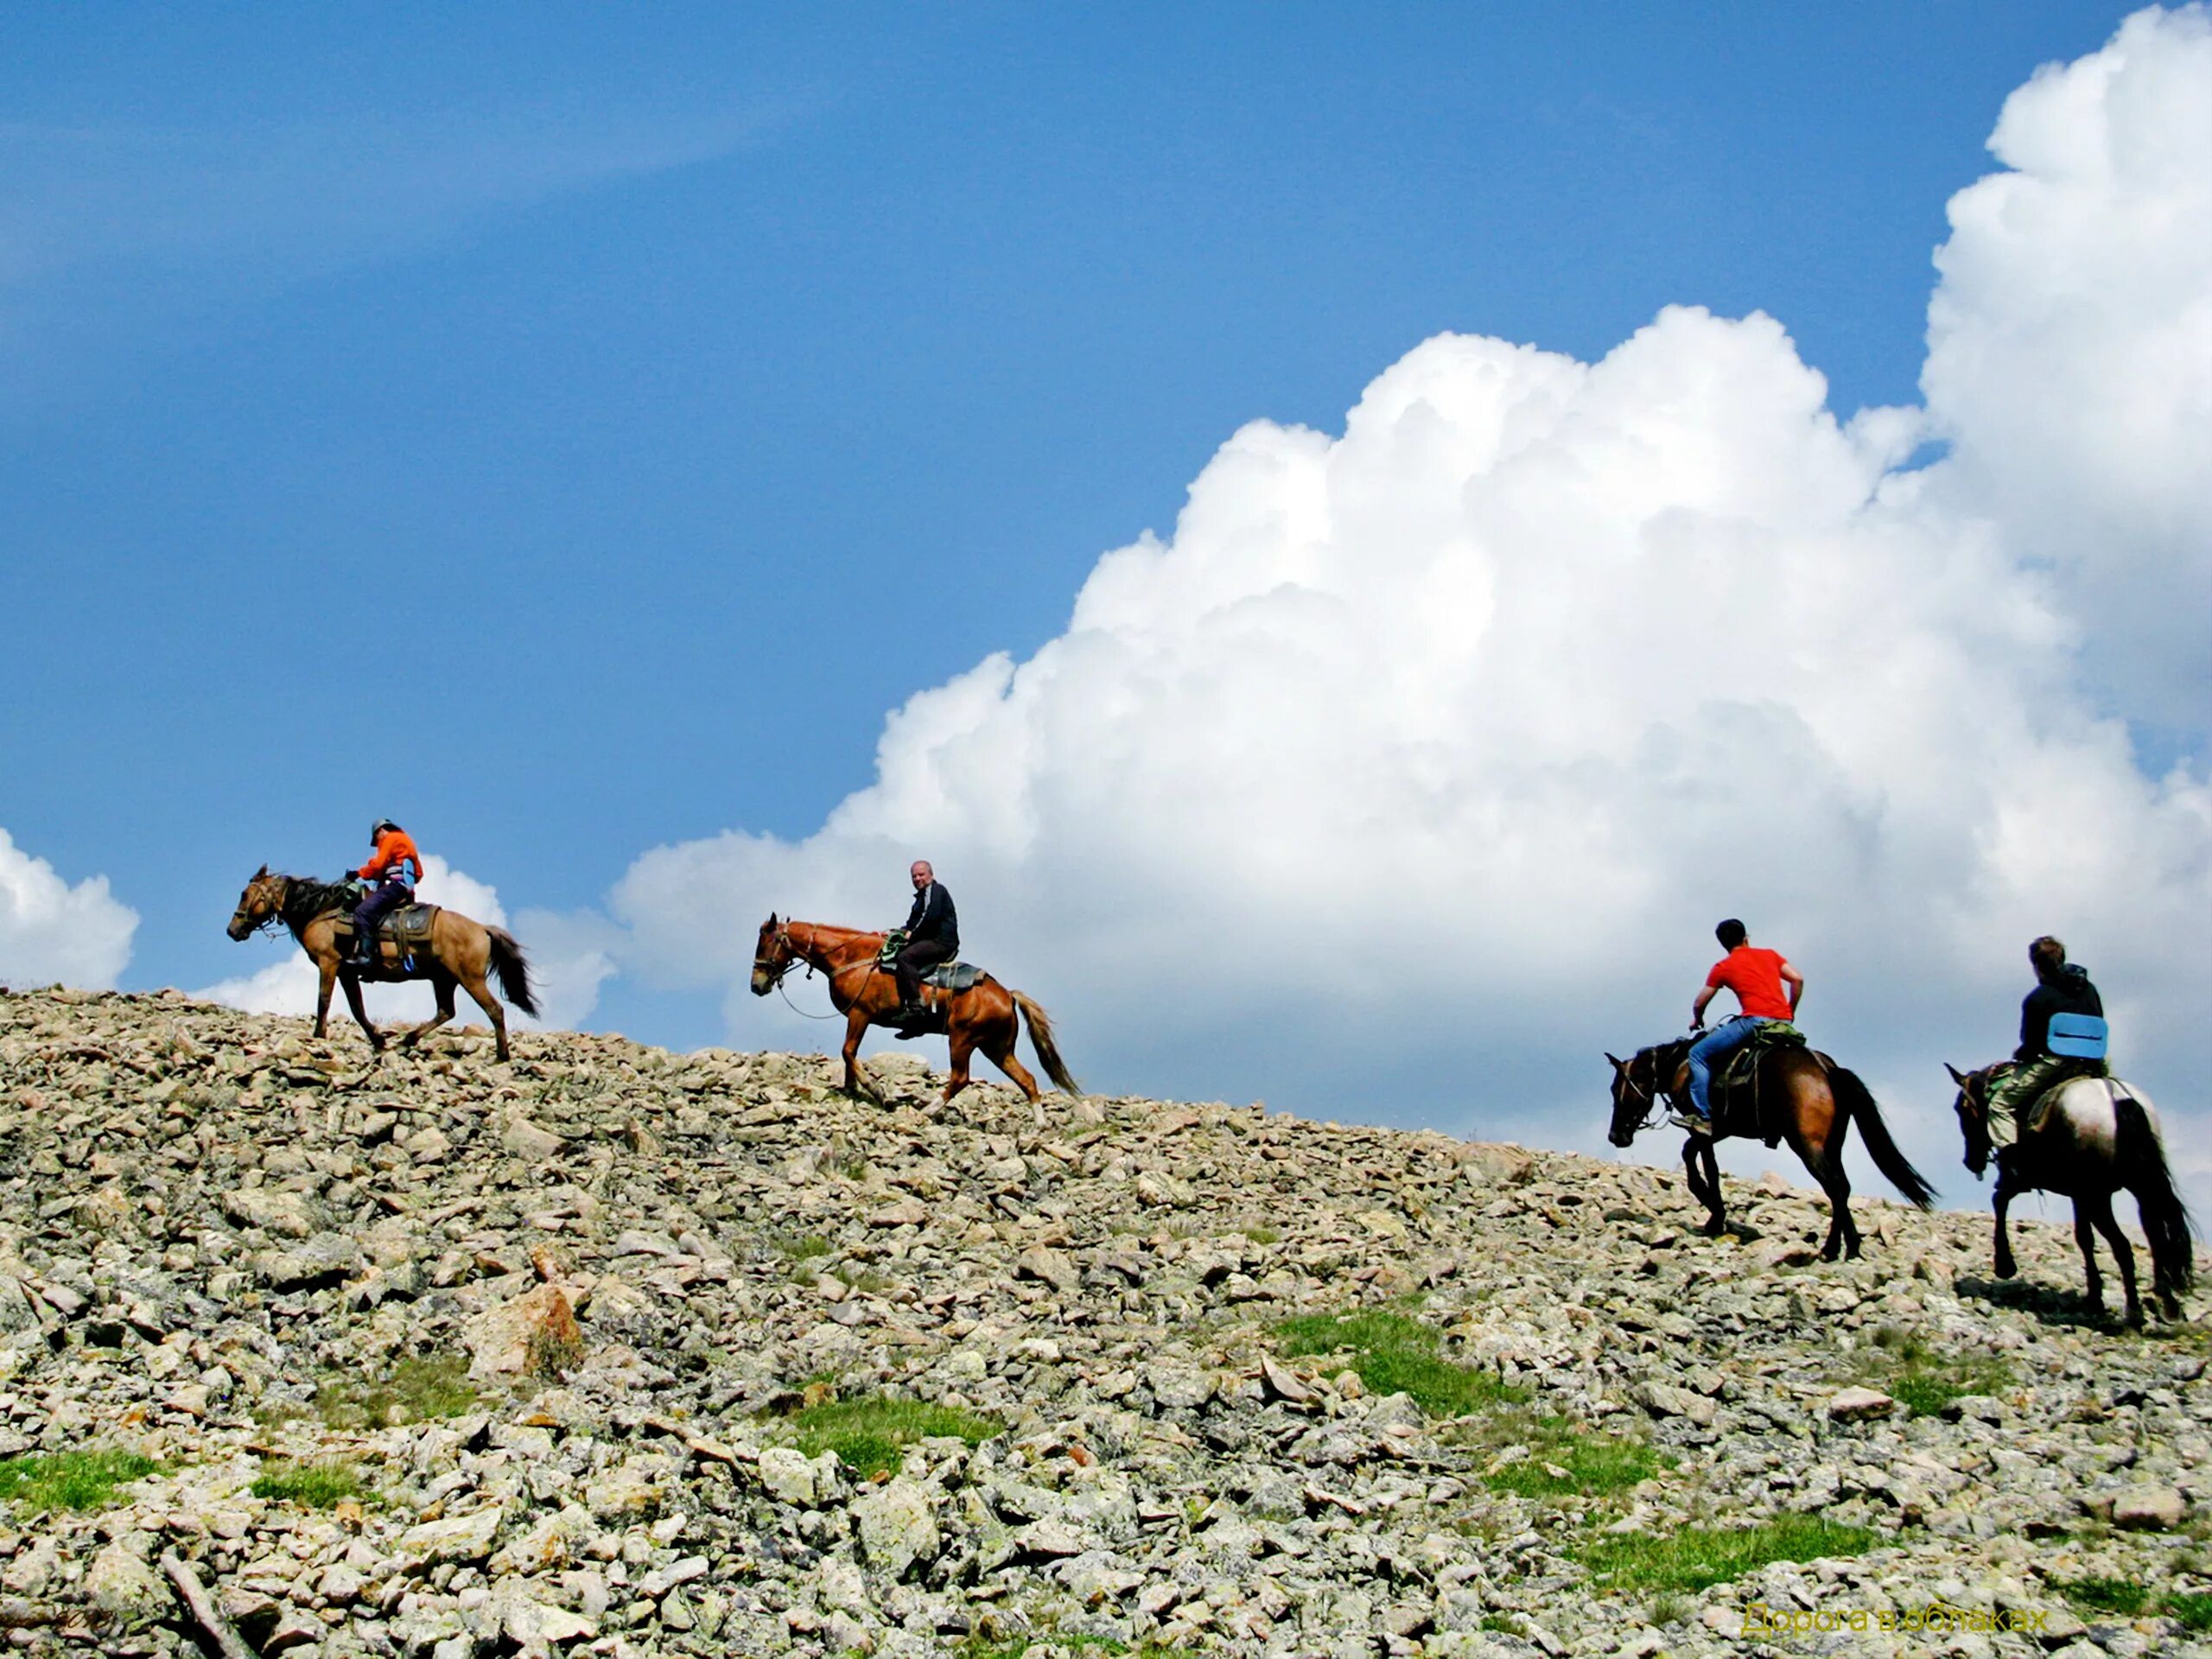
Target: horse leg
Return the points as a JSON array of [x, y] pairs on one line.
[[1705, 1184], [1999, 1201], [442, 985], [856, 1082], [482, 996], [2102, 1218], [361, 1014], [1842, 1228], [328, 969], [999, 1047], [963, 1046]]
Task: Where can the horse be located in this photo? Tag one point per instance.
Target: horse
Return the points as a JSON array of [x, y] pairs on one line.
[[1794, 1094], [867, 994], [2086, 1140], [459, 951]]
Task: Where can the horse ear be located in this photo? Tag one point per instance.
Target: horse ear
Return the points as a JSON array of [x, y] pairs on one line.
[[1619, 1066], [263, 871], [1957, 1075]]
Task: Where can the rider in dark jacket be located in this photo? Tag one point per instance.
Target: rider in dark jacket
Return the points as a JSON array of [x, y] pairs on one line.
[[2060, 988], [932, 937]]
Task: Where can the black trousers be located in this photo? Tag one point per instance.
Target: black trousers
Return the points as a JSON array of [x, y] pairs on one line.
[[916, 960]]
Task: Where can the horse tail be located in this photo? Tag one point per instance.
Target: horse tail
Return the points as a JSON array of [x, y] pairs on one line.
[[1859, 1101], [1040, 1035], [508, 963], [2166, 1220]]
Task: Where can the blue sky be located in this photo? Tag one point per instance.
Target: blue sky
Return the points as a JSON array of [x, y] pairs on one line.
[[570, 432], [575, 432]]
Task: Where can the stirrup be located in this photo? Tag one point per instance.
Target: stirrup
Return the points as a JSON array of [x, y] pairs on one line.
[[1685, 1118]]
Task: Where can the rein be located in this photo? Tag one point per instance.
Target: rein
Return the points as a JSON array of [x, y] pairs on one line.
[[792, 959]]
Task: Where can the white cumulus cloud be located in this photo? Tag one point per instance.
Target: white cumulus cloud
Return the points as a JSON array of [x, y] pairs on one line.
[[1414, 768], [52, 931]]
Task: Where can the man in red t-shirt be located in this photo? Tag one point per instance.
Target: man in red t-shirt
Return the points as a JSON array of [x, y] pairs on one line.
[[1757, 976]]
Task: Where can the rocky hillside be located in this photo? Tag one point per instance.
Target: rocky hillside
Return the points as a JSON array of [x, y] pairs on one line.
[[611, 1351]]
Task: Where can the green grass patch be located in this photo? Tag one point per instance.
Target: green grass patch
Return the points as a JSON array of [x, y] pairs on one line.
[[1690, 1559], [2126, 1598], [799, 1248], [413, 1390], [70, 1480], [1262, 1233], [1395, 1353], [870, 1433], [317, 1486], [2192, 1608], [1921, 1377], [1566, 1457]]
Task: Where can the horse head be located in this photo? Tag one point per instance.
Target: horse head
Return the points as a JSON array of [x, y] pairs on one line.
[[1973, 1108], [773, 955], [259, 905]]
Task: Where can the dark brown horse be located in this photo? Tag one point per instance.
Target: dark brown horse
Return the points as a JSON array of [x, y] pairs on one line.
[[460, 952], [2090, 1138], [983, 1016], [1793, 1095]]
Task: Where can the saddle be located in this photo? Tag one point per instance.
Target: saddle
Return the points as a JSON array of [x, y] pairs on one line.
[[953, 975], [945, 976], [1735, 1091], [408, 929], [1775, 1033]]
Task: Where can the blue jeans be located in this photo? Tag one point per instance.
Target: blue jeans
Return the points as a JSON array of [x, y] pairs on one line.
[[1710, 1053], [389, 896]]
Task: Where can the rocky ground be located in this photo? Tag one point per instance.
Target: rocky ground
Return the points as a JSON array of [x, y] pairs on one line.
[[562, 1339]]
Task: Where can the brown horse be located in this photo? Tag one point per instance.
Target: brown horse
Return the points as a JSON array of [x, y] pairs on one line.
[[867, 994], [2089, 1138], [461, 952], [1794, 1094]]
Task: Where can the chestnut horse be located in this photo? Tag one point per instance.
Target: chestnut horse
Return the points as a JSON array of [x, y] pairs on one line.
[[459, 951], [2095, 1136], [867, 994], [1794, 1095]]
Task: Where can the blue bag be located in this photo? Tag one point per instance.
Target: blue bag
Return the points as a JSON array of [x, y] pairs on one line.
[[2077, 1036]]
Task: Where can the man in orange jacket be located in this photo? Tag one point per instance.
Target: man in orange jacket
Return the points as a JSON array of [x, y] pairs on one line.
[[395, 867]]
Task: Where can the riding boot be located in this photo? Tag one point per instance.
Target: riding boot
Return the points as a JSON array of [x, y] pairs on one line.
[[909, 1019]]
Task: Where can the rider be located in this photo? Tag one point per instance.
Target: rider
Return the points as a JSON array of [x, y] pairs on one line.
[[932, 937], [1757, 976], [395, 867], [2062, 987]]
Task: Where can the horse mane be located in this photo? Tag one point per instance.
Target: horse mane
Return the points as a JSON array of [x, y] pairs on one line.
[[305, 899]]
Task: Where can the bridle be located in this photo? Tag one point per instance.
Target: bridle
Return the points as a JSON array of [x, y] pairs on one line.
[[1639, 1091], [793, 959], [273, 920]]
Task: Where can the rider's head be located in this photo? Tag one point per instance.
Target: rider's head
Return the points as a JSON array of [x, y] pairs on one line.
[[922, 873], [379, 828], [1729, 933], [2048, 955]]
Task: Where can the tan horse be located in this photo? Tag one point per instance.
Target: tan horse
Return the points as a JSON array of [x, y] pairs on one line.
[[461, 952], [983, 1016]]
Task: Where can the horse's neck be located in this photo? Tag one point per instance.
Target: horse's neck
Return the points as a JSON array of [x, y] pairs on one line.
[[832, 948]]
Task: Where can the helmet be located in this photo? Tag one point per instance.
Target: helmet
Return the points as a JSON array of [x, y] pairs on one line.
[[379, 828]]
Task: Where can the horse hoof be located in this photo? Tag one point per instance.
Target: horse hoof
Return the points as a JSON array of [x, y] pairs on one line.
[[2008, 1270]]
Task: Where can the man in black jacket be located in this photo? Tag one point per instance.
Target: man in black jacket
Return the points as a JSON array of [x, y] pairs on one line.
[[932, 937], [2060, 988]]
